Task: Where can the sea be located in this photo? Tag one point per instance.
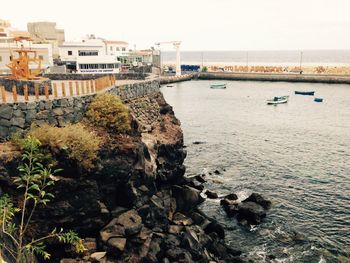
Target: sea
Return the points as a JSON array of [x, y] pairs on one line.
[[285, 57], [296, 154]]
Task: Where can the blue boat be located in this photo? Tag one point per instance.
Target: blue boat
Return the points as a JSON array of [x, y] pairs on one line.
[[218, 86], [318, 99], [310, 93]]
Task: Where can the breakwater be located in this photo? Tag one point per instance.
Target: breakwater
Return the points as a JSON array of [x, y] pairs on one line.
[[307, 78], [275, 77]]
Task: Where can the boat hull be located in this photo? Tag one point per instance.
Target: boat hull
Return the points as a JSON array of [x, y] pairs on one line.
[[309, 93], [273, 102], [218, 86], [318, 100]]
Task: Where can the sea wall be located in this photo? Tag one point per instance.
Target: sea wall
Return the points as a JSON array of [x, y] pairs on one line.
[[307, 78], [17, 117]]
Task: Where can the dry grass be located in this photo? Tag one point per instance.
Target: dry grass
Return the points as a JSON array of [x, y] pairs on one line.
[[80, 144], [108, 111]]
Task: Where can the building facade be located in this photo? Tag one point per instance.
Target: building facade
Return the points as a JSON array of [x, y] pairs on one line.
[[46, 32]]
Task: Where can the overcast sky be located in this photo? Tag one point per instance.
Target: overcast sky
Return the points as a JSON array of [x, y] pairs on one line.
[[199, 24]]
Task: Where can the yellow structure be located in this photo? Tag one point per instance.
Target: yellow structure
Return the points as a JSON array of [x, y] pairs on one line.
[[20, 64]]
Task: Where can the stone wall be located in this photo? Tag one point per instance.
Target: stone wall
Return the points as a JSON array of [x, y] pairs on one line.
[[17, 117]]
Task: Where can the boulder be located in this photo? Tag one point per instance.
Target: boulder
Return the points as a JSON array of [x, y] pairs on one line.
[[211, 194], [200, 179], [250, 211], [131, 222], [231, 196], [97, 256], [116, 244], [182, 220], [112, 230], [257, 198], [187, 198], [215, 227]]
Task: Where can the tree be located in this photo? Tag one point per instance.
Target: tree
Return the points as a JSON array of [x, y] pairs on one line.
[[34, 179]]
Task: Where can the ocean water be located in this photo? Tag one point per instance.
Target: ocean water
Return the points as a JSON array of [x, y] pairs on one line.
[[295, 154], [292, 57]]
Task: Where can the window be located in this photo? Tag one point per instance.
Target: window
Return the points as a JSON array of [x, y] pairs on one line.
[[117, 49], [10, 58], [0, 58], [41, 57], [70, 53], [88, 53], [111, 48], [123, 49]]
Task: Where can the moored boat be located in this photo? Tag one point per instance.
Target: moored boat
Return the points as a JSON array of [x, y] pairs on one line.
[[278, 100], [310, 93], [318, 99], [218, 86]]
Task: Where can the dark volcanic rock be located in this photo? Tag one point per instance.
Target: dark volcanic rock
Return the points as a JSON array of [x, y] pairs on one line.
[[250, 211], [257, 198], [211, 194], [231, 196], [187, 198], [215, 227]]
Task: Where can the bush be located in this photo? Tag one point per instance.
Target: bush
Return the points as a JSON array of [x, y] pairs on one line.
[[108, 111], [80, 144]]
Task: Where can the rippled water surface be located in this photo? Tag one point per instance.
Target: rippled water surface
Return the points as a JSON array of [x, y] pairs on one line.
[[295, 154]]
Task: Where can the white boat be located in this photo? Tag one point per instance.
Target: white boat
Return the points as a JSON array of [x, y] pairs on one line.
[[278, 100], [218, 86]]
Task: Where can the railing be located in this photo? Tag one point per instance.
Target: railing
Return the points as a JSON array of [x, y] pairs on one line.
[[59, 88]]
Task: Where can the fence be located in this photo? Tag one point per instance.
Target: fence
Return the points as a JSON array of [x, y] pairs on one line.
[[60, 89]]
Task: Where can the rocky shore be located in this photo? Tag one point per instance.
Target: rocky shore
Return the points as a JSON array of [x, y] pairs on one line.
[[136, 205]]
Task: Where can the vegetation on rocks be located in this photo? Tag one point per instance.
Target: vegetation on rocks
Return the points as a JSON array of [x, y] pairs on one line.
[[34, 181], [77, 141], [108, 111]]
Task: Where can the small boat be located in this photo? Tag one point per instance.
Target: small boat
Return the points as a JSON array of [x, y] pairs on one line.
[[278, 100], [170, 86], [218, 86], [310, 93], [318, 99]]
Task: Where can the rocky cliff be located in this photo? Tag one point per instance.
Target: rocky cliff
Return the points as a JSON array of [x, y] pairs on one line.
[[135, 205]]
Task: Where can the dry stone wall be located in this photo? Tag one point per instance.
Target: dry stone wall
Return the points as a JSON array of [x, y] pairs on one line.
[[18, 117]]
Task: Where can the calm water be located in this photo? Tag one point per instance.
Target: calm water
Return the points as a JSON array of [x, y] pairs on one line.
[[295, 154], [289, 57]]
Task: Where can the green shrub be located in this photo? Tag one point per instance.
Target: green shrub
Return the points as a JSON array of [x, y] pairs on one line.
[[81, 144], [108, 111]]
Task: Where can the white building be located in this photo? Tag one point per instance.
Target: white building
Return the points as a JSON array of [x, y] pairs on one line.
[[92, 55], [8, 45]]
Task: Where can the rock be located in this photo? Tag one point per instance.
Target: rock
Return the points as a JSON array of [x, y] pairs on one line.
[[18, 122], [211, 194], [131, 222], [187, 198], [112, 230], [175, 229], [231, 196], [165, 109], [197, 218], [198, 142], [200, 179], [250, 211], [6, 111], [181, 219], [117, 244], [179, 255], [215, 227], [98, 256], [257, 198], [217, 172]]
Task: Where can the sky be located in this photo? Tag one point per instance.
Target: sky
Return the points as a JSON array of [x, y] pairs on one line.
[[199, 24]]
